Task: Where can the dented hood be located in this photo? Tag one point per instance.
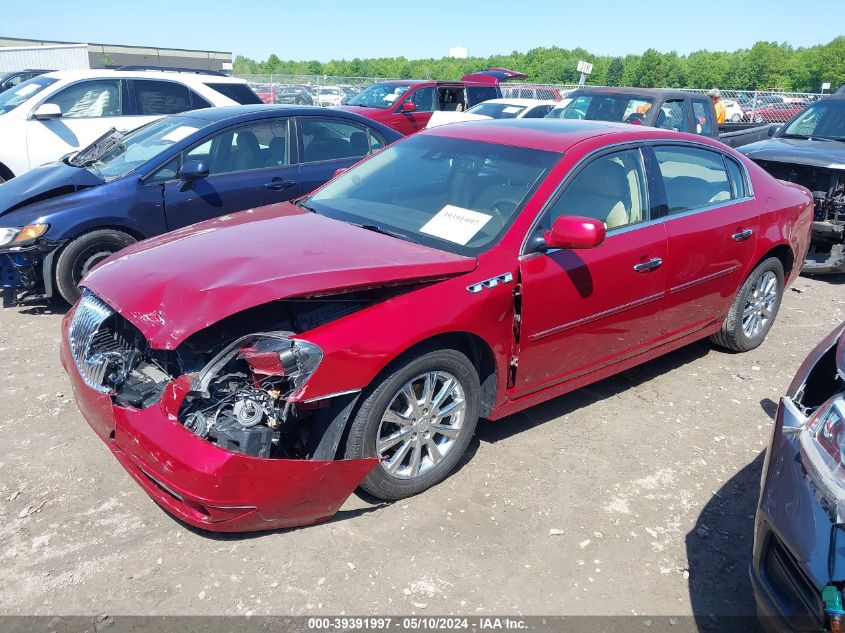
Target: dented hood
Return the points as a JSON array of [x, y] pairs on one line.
[[179, 283], [816, 153], [43, 183]]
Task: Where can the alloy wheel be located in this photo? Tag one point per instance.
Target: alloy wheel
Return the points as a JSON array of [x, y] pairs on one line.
[[757, 313], [421, 424]]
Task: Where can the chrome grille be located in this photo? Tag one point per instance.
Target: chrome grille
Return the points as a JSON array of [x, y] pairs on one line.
[[90, 315]]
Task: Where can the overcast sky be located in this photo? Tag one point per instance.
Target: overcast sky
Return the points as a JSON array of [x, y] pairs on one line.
[[324, 29]]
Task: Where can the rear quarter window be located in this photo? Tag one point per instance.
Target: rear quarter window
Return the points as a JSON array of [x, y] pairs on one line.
[[240, 93]]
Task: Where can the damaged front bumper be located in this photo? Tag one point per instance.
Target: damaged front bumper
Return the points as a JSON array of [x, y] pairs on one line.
[[26, 273], [793, 545], [827, 251], [204, 485]]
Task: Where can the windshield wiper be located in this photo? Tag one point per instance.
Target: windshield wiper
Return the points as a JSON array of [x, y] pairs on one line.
[[303, 205], [375, 228], [99, 148]]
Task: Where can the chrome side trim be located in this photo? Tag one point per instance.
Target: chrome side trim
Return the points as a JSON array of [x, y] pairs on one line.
[[701, 280], [595, 317], [504, 278]]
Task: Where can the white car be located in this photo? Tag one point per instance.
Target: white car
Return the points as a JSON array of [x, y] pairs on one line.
[[49, 116], [733, 111], [496, 109], [329, 96]]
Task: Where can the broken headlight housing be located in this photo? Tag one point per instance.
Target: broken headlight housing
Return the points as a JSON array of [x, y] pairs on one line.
[[240, 399], [22, 235], [822, 446]]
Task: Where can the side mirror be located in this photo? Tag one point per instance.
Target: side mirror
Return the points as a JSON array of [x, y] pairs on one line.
[[408, 107], [774, 129], [47, 111], [575, 231], [190, 171]]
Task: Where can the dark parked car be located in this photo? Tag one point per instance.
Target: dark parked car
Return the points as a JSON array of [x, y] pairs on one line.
[[678, 110], [12, 79], [250, 372], [295, 95], [59, 220], [798, 566], [810, 150]]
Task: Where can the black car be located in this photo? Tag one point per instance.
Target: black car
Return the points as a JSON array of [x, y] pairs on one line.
[[12, 79], [798, 565], [810, 150], [294, 95]]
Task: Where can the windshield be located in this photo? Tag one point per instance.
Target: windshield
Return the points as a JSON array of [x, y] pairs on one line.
[[13, 97], [497, 110], [826, 119], [456, 195], [379, 95], [604, 107], [142, 145]]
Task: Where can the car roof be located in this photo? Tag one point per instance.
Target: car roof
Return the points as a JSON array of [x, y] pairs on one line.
[[187, 78], [556, 135], [261, 110], [521, 102], [654, 93]]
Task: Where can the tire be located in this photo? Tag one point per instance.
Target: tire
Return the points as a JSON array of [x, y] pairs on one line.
[[395, 478], [761, 294], [81, 254], [736, 118]]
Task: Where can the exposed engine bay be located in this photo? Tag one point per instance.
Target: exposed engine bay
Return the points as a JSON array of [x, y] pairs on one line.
[[243, 370], [827, 248]]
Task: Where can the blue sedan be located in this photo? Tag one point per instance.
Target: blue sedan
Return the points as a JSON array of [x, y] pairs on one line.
[[61, 219]]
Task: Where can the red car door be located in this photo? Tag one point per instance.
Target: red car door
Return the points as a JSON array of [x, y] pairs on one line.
[[711, 228], [585, 309], [424, 103]]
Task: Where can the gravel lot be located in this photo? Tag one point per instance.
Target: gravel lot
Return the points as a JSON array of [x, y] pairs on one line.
[[633, 496]]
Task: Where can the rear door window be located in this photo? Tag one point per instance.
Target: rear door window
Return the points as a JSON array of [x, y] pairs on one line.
[[703, 112], [335, 139], [693, 178], [673, 116], [477, 94], [153, 98]]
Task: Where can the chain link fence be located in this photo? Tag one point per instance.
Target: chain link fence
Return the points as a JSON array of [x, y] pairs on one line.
[[741, 106], [308, 89]]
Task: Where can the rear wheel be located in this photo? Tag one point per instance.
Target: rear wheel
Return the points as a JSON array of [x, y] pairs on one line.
[[82, 254], [736, 118], [754, 308], [419, 420]]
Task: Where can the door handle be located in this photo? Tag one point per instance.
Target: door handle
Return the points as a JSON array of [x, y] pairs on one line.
[[741, 236], [277, 184], [646, 267]]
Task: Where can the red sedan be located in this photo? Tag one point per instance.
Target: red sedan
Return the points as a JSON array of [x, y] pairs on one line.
[[251, 371]]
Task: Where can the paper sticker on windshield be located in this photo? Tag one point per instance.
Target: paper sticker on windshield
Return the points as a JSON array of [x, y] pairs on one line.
[[512, 109], [177, 134], [390, 98], [455, 224]]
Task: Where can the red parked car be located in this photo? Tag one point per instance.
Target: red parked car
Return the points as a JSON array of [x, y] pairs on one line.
[[407, 105], [774, 112], [251, 371]]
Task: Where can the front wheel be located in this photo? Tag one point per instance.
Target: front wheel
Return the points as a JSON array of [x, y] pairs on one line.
[[82, 254], [418, 420], [736, 118], [754, 308]]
